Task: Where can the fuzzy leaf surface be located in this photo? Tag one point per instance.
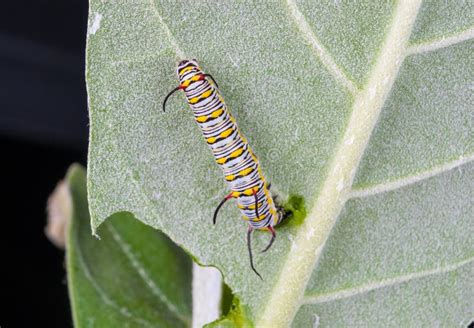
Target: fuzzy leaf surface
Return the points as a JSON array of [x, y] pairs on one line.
[[364, 109]]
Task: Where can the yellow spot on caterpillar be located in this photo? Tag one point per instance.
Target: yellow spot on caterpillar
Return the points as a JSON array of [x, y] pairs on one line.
[[226, 133], [202, 96], [206, 94], [184, 70], [216, 113], [204, 118], [211, 140], [236, 153], [250, 207], [242, 173], [246, 172], [248, 192], [260, 218]]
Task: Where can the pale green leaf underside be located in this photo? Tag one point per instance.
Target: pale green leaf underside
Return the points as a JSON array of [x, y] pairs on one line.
[[134, 276], [306, 93], [422, 302]]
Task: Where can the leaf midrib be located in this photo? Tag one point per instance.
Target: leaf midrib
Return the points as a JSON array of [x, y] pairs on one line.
[[285, 299]]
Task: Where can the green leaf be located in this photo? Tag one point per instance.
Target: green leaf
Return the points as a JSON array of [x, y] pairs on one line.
[[134, 276], [361, 109]]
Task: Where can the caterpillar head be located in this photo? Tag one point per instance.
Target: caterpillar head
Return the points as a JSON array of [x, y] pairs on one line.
[[188, 68]]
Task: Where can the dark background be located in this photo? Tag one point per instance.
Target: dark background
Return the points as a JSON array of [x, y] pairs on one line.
[[43, 129]]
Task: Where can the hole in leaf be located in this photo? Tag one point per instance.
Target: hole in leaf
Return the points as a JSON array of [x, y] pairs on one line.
[[295, 211]]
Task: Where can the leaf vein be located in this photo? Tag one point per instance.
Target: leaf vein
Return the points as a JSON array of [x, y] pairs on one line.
[[324, 56], [102, 294], [171, 38], [441, 43], [151, 57], [126, 249], [341, 294], [413, 179]]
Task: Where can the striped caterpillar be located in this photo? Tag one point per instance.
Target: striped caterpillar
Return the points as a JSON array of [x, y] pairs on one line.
[[231, 152]]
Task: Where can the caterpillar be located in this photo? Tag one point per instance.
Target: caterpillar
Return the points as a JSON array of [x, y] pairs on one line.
[[232, 153]]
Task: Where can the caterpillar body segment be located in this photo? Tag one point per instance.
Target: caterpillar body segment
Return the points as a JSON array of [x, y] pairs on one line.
[[241, 168]]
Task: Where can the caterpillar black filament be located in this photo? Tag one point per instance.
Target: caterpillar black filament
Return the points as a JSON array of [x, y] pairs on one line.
[[231, 152]]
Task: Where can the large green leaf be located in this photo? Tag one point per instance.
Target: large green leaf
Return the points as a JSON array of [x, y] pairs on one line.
[[364, 109], [134, 276]]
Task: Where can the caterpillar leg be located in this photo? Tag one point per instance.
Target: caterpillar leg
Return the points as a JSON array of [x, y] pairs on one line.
[[226, 198], [249, 246], [272, 230]]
